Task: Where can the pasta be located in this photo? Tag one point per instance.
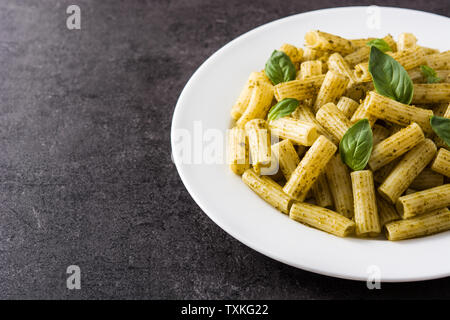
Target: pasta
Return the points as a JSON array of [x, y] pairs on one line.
[[407, 170], [328, 169], [322, 218], [309, 168], [423, 201], [441, 163], [365, 206]]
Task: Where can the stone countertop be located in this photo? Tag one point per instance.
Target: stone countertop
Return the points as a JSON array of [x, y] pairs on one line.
[[85, 167]]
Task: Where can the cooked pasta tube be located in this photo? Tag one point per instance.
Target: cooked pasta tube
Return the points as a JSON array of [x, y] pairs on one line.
[[259, 103], [423, 201], [365, 206], [340, 184], [268, 190], [321, 192], [424, 225], [304, 113], [299, 89], [427, 51], [299, 132], [337, 64], [386, 212], [286, 156], [309, 168], [390, 110], [322, 219], [326, 41], [359, 55], [347, 106], [441, 163], [332, 119], [438, 60], [294, 53], [259, 142], [427, 179], [406, 41], [407, 170], [362, 73], [237, 152], [431, 93], [379, 133], [396, 145], [310, 68], [244, 97], [332, 88], [357, 43], [409, 58], [362, 113]]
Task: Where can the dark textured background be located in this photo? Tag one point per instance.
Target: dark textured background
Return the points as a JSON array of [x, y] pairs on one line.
[[85, 170]]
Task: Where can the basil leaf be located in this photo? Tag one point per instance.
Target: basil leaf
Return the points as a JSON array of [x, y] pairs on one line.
[[283, 108], [356, 146], [380, 44], [389, 77], [279, 68], [429, 74], [441, 126]]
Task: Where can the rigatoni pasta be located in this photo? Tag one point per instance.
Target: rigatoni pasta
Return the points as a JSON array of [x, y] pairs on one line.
[[380, 101]]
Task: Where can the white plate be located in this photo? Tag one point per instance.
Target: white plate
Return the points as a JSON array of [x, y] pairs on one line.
[[208, 97]]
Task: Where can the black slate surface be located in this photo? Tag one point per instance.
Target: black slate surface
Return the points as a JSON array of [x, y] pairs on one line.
[[86, 176]]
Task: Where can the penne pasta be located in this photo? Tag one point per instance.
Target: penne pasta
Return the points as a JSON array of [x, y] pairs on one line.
[[423, 201], [268, 190], [424, 225], [409, 167], [326, 41], [337, 64], [309, 168], [332, 88], [441, 163], [299, 132], [390, 110], [322, 219], [365, 206], [287, 157], [259, 104], [299, 89], [310, 68], [431, 93], [332, 119], [438, 60], [244, 98], [362, 113], [395, 146], [362, 73], [409, 59], [340, 186], [259, 143], [237, 150], [347, 106]]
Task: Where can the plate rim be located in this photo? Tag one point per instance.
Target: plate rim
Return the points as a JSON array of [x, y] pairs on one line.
[[243, 238]]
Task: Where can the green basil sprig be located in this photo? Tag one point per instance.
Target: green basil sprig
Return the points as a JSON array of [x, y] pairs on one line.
[[283, 108], [356, 146], [441, 126], [429, 74], [279, 68], [379, 44], [389, 77]]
